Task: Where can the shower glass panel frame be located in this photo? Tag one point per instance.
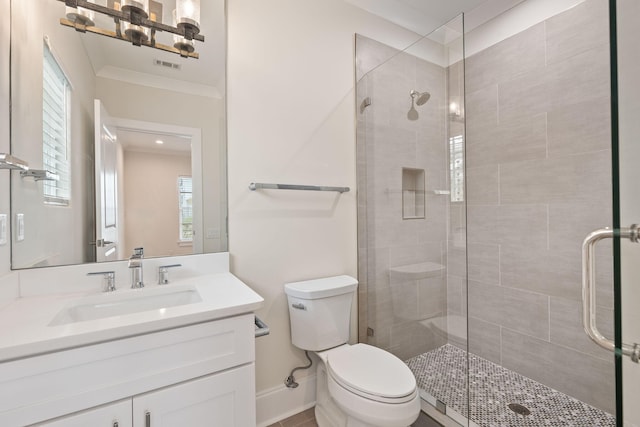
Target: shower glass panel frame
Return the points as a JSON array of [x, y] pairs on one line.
[[411, 207]]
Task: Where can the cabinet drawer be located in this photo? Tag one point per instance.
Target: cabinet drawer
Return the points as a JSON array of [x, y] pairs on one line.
[[116, 414], [48, 386], [224, 399]]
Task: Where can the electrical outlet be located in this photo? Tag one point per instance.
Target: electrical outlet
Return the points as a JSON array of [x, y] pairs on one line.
[[3, 229]]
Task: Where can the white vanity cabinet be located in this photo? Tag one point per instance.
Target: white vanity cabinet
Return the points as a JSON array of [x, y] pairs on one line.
[[223, 399], [197, 375]]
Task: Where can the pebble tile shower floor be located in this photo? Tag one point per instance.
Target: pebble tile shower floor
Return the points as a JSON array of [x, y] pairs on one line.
[[443, 374]]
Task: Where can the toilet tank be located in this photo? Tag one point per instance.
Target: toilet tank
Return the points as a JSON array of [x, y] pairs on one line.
[[320, 311]]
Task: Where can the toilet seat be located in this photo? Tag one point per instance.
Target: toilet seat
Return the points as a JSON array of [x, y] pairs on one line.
[[371, 373]]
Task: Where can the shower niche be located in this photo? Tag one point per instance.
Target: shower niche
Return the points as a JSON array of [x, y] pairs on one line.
[[413, 193]]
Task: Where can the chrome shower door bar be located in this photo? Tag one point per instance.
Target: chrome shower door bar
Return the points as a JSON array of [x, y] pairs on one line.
[[588, 288], [256, 186]]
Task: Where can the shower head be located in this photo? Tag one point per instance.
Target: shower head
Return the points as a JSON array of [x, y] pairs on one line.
[[422, 97]]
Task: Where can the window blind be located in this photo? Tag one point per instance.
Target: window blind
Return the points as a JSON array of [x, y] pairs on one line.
[[185, 207], [55, 130]]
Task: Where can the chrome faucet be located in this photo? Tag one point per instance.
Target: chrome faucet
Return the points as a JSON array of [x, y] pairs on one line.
[[108, 280], [135, 264]]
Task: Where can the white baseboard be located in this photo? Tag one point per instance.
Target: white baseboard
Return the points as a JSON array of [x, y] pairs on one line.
[[281, 402]]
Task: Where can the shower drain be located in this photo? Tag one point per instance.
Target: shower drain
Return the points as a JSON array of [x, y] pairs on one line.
[[519, 409]]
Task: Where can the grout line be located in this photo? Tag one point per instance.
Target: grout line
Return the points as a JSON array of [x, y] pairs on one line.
[[500, 265], [549, 315], [546, 133], [548, 227], [544, 29], [497, 104]]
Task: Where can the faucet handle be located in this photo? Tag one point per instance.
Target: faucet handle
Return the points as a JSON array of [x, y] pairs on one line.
[[108, 280], [163, 273], [138, 252]]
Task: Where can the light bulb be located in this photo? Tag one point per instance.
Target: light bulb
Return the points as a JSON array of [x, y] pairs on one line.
[[188, 15], [140, 7]]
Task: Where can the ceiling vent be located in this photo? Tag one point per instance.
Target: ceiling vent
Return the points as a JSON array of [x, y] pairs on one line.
[[167, 64]]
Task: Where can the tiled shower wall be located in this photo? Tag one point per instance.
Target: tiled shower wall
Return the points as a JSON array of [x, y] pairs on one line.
[[538, 181], [388, 141]]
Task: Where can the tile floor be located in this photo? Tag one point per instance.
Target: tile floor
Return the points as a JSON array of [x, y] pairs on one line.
[[308, 419], [443, 374]]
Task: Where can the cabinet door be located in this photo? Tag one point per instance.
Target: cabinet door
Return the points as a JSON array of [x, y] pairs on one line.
[[226, 399], [116, 414]]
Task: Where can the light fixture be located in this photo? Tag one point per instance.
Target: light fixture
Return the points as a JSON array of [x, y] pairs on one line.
[[138, 21], [159, 141], [179, 42], [81, 15]]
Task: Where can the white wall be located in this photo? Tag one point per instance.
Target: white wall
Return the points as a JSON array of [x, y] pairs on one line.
[[152, 181], [68, 240], [180, 109], [291, 120]]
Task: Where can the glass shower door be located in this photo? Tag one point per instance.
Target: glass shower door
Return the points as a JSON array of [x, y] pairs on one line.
[[626, 92]]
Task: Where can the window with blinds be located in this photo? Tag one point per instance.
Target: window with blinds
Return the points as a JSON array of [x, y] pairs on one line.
[[55, 130], [185, 207], [456, 167]]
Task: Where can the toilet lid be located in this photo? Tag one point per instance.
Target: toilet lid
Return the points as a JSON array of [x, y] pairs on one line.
[[371, 372]]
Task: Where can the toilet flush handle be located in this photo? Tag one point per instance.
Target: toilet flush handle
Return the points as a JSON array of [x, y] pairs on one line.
[[299, 306]]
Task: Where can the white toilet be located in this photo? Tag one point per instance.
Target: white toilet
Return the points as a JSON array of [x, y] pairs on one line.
[[357, 385]]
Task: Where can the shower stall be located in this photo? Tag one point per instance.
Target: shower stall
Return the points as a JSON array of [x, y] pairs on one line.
[[485, 157]]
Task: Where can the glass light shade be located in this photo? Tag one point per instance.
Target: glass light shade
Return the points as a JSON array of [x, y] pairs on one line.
[[136, 6], [188, 13], [81, 15], [134, 32], [180, 42]]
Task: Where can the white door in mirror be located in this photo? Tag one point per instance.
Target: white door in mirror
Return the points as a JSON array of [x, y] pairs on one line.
[[107, 176], [3, 229]]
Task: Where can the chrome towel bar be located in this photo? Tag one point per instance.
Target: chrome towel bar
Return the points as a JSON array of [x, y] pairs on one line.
[[261, 328], [588, 287], [257, 186]]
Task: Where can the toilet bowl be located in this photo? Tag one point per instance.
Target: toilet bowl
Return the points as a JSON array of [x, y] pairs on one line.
[[357, 385]]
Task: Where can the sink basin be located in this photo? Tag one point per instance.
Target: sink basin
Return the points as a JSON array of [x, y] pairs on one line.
[[128, 302]]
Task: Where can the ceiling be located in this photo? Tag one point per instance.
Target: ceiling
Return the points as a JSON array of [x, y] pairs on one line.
[[116, 59], [133, 140], [425, 16]]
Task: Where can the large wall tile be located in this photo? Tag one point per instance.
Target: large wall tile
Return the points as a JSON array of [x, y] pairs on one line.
[[481, 108], [508, 224], [584, 377], [516, 55], [515, 140], [578, 178], [567, 330], [579, 128], [522, 311], [580, 28], [483, 185], [541, 270], [484, 263], [484, 340]]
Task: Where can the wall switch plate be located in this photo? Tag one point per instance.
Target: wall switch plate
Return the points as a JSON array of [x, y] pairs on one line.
[[19, 227], [3, 229]]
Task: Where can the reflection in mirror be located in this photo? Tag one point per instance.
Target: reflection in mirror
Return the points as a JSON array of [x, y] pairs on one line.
[[92, 110]]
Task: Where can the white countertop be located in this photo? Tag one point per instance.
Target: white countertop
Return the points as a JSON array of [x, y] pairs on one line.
[[26, 329]]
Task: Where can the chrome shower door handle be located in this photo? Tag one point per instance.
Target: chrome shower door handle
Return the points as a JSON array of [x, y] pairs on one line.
[[588, 288]]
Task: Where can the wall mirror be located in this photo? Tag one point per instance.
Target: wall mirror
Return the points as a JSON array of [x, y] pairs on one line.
[[134, 135]]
